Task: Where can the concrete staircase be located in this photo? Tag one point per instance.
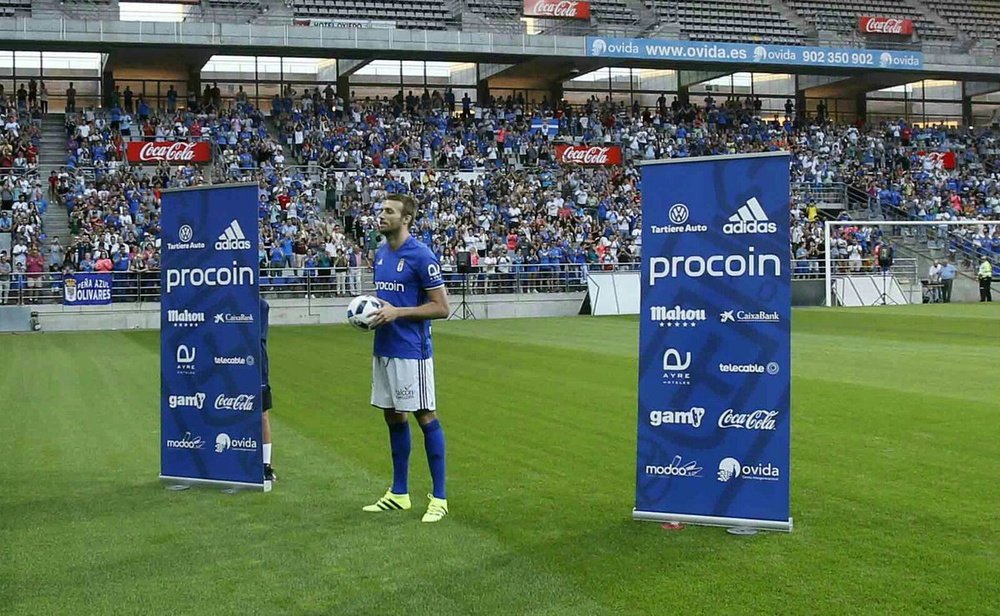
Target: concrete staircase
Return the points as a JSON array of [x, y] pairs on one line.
[[52, 157]]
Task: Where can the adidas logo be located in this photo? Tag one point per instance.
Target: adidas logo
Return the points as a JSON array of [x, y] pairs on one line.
[[232, 238], [749, 219]]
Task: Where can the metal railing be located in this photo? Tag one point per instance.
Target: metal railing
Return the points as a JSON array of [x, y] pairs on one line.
[[832, 195], [315, 283]]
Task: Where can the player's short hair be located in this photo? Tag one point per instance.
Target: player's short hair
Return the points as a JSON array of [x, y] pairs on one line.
[[409, 205]]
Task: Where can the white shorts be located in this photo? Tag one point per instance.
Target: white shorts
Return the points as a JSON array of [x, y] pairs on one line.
[[403, 384]]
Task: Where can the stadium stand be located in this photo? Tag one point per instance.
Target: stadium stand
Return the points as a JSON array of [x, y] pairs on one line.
[[842, 15], [13, 8], [425, 14], [979, 19], [744, 21]]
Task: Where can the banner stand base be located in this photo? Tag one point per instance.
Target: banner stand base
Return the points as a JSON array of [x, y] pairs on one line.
[[744, 531], [229, 487], [739, 525]]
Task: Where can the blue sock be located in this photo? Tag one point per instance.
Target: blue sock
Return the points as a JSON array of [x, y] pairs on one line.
[[399, 443], [434, 444]]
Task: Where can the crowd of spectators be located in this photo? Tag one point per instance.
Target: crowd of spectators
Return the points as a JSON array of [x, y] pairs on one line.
[[488, 180]]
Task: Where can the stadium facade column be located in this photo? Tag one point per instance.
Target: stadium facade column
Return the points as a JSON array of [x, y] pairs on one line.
[[971, 89], [483, 74], [346, 68], [861, 106], [686, 79]]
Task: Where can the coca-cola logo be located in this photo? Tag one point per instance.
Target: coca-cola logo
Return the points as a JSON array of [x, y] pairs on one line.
[[593, 155], [754, 420], [569, 9], [241, 402], [176, 152], [886, 25]]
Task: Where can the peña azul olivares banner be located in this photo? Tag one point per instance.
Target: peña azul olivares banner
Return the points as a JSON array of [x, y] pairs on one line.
[[210, 350], [714, 342]]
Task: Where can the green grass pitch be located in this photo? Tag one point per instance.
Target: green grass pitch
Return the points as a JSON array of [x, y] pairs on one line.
[[895, 449]]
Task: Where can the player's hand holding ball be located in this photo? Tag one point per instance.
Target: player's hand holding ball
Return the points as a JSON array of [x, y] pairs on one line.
[[386, 314]]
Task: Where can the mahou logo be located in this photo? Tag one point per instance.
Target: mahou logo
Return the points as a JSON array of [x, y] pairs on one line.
[[175, 152], [564, 9], [589, 155], [885, 25]]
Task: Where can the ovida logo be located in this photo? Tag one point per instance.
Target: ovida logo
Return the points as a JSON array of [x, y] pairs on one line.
[[750, 218], [229, 318], [186, 442], [210, 277], [716, 266], [677, 468], [599, 47], [678, 215], [223, 442], [233, 238], [759, 53], [235, 361], [742, 316], [194, 401], [755, 420], [241, 402], [676, 316], [731, 468], [185, 234], [885, 60], [185, 318], [771, 368], [675, 367], [677, 418]]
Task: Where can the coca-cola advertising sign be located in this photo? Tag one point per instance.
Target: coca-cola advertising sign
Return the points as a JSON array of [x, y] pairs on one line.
[[939, 160], [885, 25], [557, 9], [589, 155], [172, 152]]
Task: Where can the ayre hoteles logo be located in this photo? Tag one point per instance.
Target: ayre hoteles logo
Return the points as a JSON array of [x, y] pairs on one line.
[[675, 365], [185, 359]]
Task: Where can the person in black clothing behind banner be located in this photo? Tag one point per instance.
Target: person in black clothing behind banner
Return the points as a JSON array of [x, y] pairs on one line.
[[265, 310]]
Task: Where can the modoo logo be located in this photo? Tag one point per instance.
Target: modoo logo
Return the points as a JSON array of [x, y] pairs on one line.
[[186, 442], [686, 418], [716, 266], [676, 468], [731, 468]]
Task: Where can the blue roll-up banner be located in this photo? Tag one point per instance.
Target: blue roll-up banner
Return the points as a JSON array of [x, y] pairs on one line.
[[715, 342], [210, 392]]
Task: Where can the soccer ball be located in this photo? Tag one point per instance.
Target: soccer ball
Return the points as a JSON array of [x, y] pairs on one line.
[[360, 310]]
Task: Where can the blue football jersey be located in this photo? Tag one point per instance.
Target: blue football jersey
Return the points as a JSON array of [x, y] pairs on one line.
[[402, 278], [265, 368]]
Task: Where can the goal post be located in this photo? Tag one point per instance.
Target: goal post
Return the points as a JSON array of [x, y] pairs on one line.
[[882, 280]]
